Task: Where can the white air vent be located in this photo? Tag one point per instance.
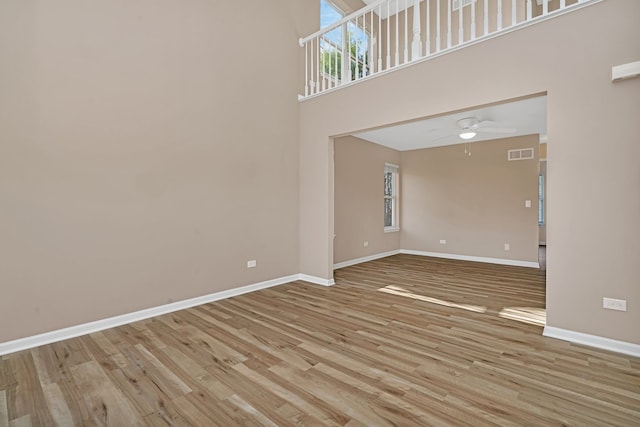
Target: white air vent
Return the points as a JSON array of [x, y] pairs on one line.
[[520, 154]]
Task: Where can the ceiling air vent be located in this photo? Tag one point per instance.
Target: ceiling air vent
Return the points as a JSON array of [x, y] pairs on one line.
[[520, 154]]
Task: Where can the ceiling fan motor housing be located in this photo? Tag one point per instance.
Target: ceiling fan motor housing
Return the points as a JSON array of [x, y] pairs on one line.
[[468, 123]]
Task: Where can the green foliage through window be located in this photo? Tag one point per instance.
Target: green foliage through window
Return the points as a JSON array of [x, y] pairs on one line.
[[348, 37]]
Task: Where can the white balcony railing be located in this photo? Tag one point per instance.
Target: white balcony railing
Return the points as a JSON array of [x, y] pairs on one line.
[[388, 34]]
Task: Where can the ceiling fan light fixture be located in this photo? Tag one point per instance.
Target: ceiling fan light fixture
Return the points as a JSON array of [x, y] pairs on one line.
[[467, 134]]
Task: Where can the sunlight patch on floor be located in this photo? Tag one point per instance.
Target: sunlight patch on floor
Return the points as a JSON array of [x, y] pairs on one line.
[[396, 290], [531, 315]]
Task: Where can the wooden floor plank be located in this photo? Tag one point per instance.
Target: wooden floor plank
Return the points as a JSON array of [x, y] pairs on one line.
[[403, 340], [4, 413]]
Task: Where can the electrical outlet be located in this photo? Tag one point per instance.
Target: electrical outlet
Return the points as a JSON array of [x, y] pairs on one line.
[[507, 247], [614, 304], [443, 242], [252, 263], [365, 244]]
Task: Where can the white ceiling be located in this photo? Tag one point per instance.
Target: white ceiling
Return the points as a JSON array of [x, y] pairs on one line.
[[527, 117]]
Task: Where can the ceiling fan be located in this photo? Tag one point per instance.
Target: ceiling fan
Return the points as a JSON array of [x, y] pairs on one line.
[[471, 126]]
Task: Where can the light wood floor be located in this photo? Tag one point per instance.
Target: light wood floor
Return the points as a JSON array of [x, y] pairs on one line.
[[401, 341]]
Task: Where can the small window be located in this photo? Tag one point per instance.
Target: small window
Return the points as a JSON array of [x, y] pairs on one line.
[[456, 4], [391, 198], [541, 199]]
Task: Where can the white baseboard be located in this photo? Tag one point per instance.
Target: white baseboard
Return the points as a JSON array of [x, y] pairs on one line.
[[364, 259], [500, 261], [592, 341], [100, 325], [316, 280]]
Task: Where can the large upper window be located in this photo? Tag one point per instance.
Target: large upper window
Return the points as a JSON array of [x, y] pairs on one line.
[[391, 198], [348, 40]]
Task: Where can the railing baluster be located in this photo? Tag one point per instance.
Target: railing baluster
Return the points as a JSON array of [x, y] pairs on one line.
[[397, 54], [330, 57], [321, 63], [379, 38], [438, 26], [306, 69], [427, 20], [311, 84], [460, 23], [406, 31], [363, 37], [529, 10], [448, 23], [357, 38], [545, 7], [371, 52], [318, 65], [473, 20], [349, 75], [513, 12], [362, 41], [344, 58], [416, 44], [486, 17], [388, 37], [500, 15], [338, 71]]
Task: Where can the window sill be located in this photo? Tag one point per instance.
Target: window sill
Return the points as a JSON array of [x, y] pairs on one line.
[[391, 229]]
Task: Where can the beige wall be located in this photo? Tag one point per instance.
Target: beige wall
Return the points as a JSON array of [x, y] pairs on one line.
[[147, 151], [359, 216], [593, 190], [476, 203]]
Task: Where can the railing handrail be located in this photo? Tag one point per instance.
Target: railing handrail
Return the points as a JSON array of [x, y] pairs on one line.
[[343, 21]]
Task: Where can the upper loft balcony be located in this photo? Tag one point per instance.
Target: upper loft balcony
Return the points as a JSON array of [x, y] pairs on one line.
[[387, 35]]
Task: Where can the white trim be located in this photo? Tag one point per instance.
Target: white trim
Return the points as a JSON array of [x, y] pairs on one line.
[[316, 280], [592, 341], [500, 261], [111, 322], [391, 229], [355, 261]]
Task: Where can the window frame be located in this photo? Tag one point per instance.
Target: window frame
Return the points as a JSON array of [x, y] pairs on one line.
[[455, 4], [360, 63], [394, 197]]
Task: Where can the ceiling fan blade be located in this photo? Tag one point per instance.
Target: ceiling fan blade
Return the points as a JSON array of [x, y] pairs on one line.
[[498, 130], [485, 123]]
